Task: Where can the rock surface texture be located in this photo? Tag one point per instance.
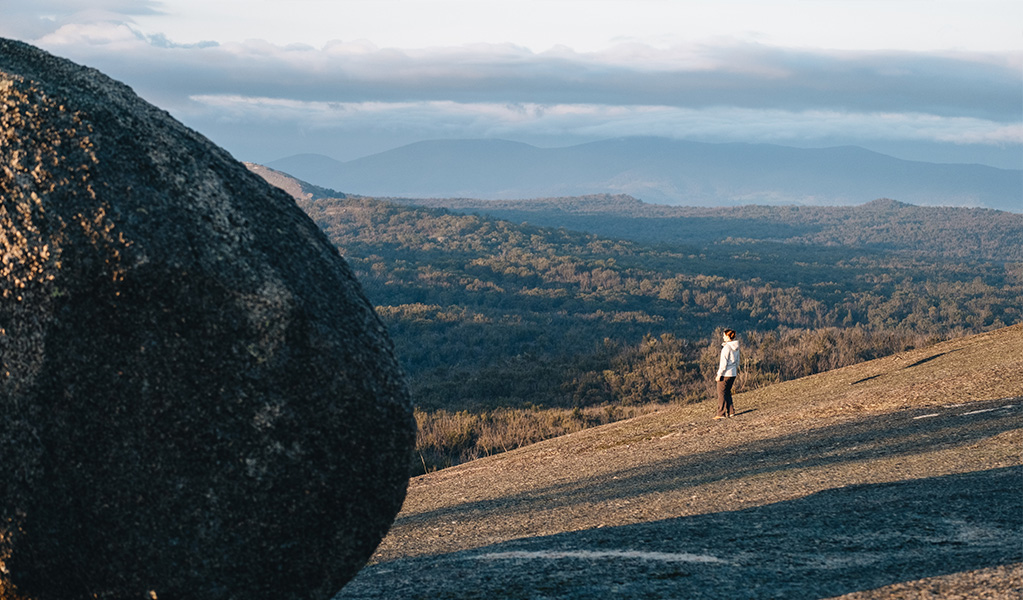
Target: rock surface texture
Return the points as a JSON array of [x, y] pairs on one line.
[[196, 400], [899, 477]]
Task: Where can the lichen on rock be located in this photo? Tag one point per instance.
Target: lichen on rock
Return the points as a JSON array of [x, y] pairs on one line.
[[196, 399]]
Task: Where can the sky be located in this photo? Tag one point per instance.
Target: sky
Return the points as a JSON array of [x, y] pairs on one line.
[[933, 80]]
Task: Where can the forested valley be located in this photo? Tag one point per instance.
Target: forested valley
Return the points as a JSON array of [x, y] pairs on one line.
[[512, 332]]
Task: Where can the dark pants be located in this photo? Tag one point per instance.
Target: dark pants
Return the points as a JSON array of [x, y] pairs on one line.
[[725, 407]]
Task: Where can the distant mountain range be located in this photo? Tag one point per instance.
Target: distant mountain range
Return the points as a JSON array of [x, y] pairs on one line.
[[660, 170]]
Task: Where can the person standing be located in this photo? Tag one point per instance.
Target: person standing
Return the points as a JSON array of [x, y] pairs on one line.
[[728, 370]]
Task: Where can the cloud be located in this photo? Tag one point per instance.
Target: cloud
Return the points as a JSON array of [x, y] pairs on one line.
[[745, 76], [67, 10], [727, 91], [482, 119], [32, 21]]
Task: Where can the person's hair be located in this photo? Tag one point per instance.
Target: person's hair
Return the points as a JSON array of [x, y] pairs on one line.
[[730, 333]]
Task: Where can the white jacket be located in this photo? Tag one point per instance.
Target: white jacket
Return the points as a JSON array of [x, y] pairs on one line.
[[729, 365]]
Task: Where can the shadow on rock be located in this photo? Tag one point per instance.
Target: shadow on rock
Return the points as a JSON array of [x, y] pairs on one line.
[[889, 435], [826, 544]]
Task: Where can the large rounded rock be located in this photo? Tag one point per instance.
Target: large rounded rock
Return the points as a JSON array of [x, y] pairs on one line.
[[196, 400]]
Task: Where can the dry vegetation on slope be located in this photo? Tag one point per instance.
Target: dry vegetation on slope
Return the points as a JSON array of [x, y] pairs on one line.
[[901, 469]]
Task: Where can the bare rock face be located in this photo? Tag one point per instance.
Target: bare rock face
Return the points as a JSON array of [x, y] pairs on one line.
[[196, 400]]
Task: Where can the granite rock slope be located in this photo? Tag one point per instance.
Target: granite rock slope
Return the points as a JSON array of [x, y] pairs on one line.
[[899, 477], [196, 399]]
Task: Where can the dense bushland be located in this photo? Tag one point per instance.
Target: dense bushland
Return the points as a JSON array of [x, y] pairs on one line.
[[511, 333], [888, 225]]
